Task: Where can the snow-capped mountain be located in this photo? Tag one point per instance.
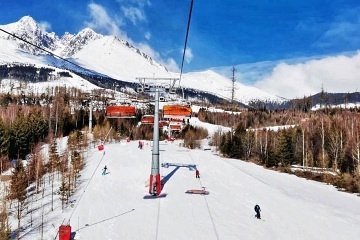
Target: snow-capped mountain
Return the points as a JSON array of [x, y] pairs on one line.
[[110, 56], [27, 29], [74, 43]]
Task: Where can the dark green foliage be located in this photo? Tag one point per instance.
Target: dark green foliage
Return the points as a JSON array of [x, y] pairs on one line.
[[64, 192], [25, 72], [38, 126], [64, 74], [20, 135], [54, 157], [25, 132], [68, 122], [236, 147], [19, 183], [271, 159], [285, 150], [5, 100], [225, 144], [4, 139]]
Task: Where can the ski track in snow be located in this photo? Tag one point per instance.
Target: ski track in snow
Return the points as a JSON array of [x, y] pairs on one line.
[[113, 206]]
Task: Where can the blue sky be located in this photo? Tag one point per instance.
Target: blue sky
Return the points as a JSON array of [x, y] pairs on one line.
[[222, 32]]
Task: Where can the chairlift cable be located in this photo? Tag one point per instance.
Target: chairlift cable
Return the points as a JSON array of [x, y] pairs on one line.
[[82, 194], [43, 49], [207, 205], [186, 38]]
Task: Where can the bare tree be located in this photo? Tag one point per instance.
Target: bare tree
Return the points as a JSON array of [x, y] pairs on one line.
[[355, 153], [248, 142]]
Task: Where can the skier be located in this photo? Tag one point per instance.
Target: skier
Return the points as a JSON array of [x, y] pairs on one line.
[[257, 210], [104, 170], [197, 173]]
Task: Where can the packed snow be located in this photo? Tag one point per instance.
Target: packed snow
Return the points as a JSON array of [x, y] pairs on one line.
[[118, 206]]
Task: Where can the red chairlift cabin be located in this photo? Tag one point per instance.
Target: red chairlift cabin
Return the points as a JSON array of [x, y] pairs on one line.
[[180, 111], [176, 125], [120, 109], [149, 120]]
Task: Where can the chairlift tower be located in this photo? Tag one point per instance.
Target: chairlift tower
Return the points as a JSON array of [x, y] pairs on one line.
[[149, 85], [155, 184]]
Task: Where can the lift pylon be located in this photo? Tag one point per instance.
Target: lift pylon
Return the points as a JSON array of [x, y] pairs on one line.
[[155, 185]]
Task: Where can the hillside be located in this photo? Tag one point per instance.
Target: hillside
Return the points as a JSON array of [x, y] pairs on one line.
[[117, 205]]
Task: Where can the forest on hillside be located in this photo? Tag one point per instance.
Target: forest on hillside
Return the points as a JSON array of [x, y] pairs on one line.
[[324, 145], [327, 140]]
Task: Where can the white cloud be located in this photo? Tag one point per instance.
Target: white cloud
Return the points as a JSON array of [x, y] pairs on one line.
[[169, 63], [148, 35], [45, 26], [336, 74], [344, 30], [103, 23], [133, 14], [134, 9], [188, 55]]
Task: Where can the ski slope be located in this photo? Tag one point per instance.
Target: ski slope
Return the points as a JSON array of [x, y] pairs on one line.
[[113, 206], [117, 205]]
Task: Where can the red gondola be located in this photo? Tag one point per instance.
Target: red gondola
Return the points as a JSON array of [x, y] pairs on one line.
[[120, 111], [147, 119], [176, 111]]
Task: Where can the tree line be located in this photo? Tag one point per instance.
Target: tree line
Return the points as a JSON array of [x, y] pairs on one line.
[[328, 140]]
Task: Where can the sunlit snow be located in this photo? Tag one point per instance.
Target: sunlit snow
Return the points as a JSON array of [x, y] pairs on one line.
[[117, 205]]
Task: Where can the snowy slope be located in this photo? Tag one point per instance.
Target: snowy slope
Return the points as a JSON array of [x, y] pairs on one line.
[[110, 56], [221, 86], [113, 206], [10, 53]]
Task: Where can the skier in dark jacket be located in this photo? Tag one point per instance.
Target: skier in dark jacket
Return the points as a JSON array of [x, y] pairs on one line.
[[257, 210], [104, 170], [197, 174]]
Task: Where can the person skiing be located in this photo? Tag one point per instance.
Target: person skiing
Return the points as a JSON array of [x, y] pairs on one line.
[[257, 210], [104, 170], [197, 174]]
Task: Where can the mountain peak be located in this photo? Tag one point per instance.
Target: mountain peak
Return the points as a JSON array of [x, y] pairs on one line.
[[87, 31], [28, 21], [77, 42], [27, 24], [28, 29]]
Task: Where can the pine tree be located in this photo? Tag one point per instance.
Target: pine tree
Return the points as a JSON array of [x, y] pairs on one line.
[[54, 158], [20, 137], [4, 139], [285, 149], [64, 191], [5, 230], [18, 190]]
